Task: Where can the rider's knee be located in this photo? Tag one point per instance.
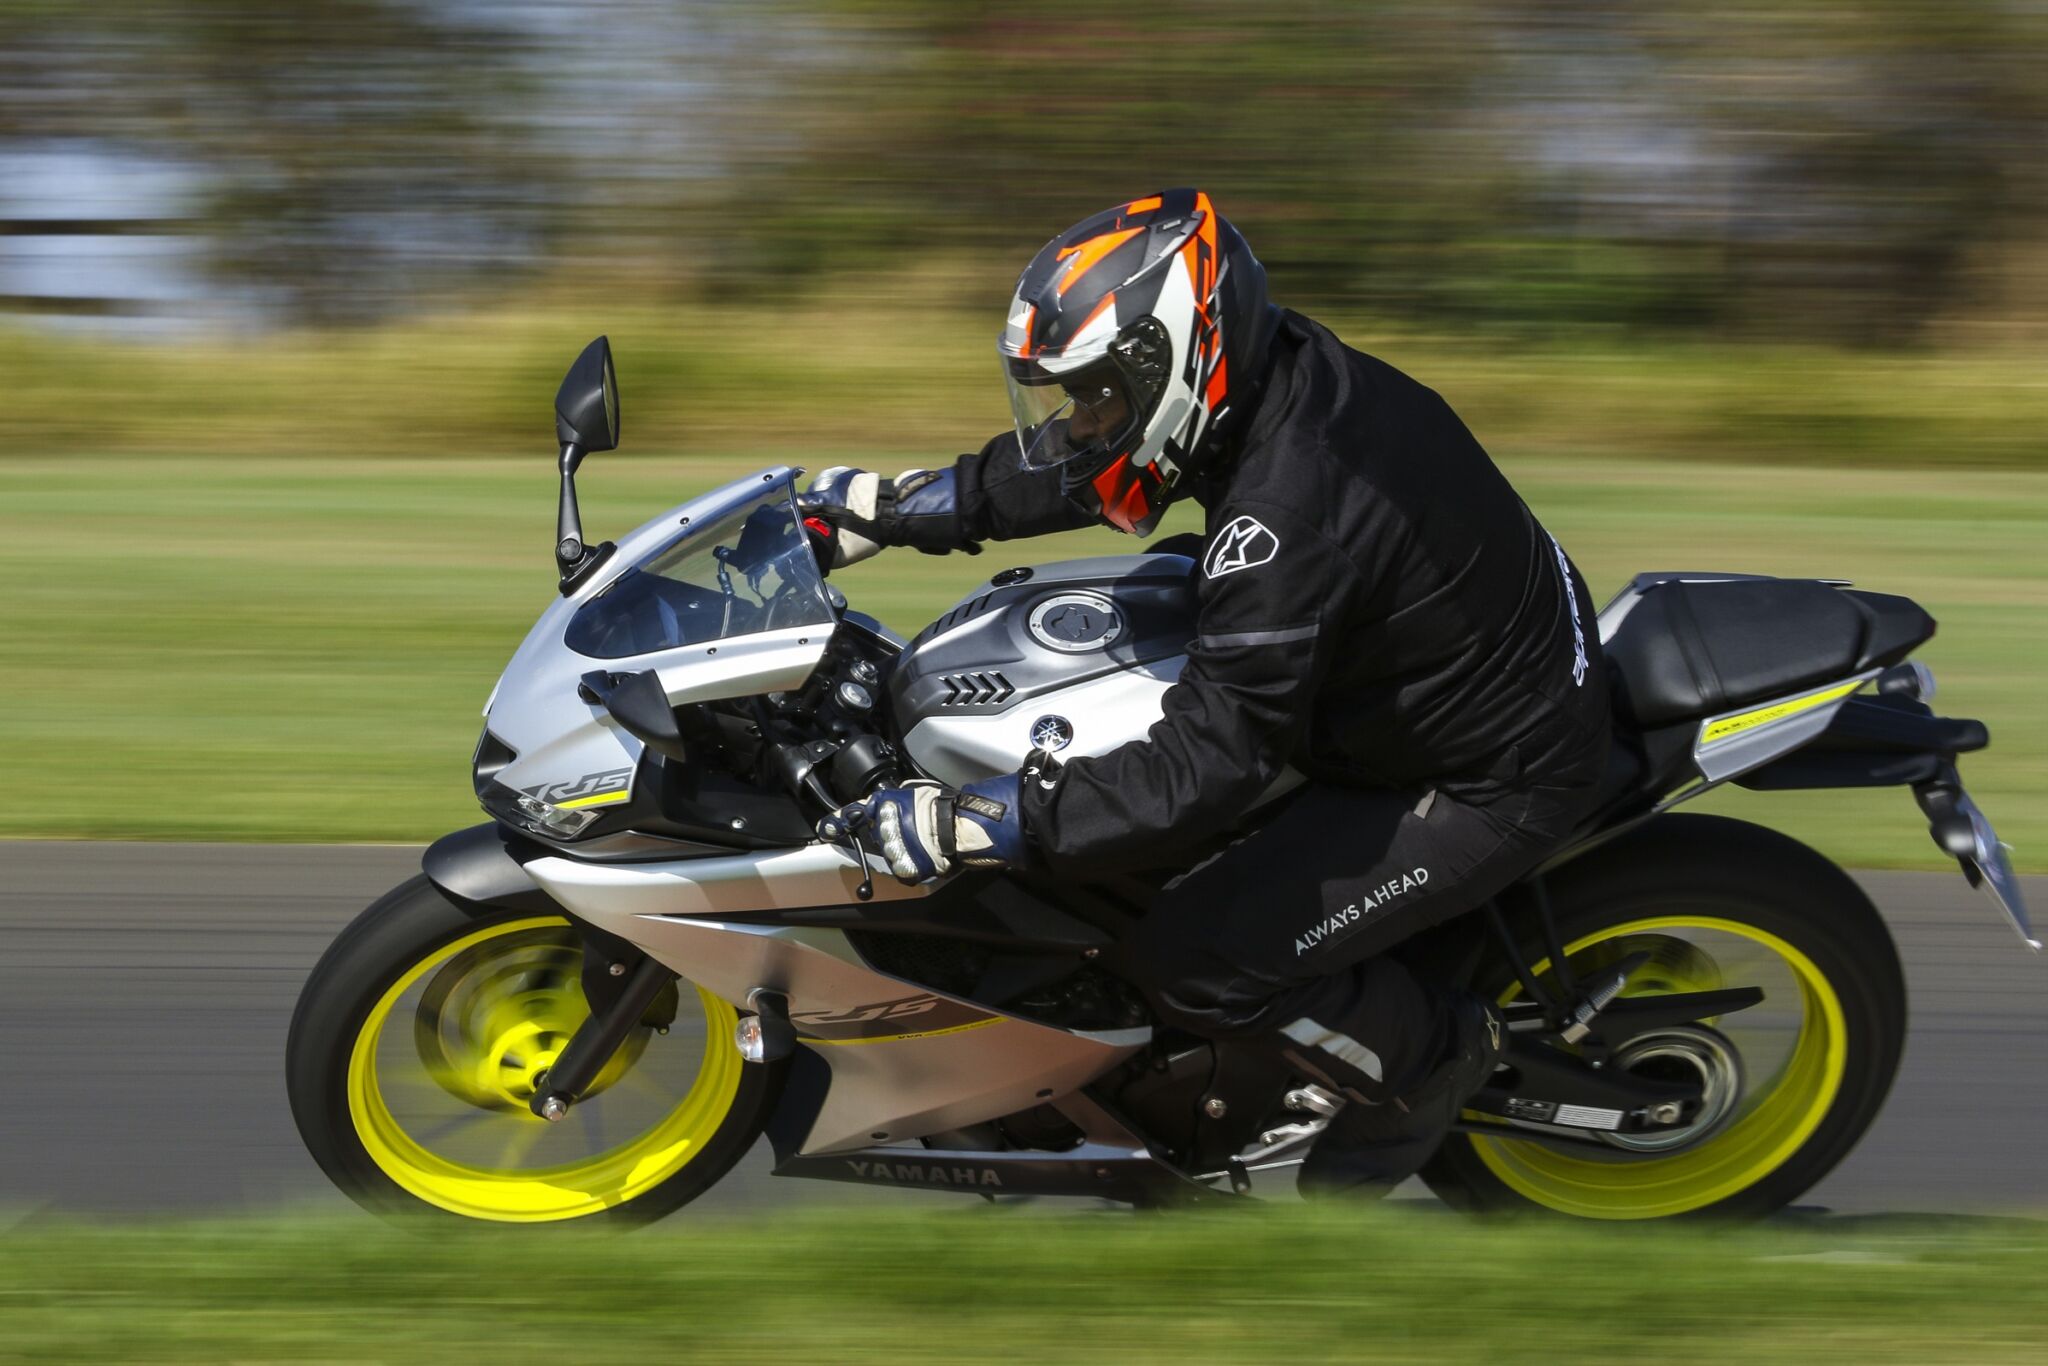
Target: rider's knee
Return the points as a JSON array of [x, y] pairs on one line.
[[1202, 993]]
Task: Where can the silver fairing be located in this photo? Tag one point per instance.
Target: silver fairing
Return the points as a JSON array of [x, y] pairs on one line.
[[898, 1086], [979, 1064], [562, 741]]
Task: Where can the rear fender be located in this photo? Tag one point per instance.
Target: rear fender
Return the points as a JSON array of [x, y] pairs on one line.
[[1694, 845]]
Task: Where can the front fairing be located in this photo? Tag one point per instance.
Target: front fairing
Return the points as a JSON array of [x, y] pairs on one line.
[[567, 751]]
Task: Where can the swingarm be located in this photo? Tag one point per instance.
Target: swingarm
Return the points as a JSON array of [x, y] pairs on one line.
[[1585, 1063]]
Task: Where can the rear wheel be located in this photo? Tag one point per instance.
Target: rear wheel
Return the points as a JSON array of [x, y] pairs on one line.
[[1789, 1085], [419, 1041]]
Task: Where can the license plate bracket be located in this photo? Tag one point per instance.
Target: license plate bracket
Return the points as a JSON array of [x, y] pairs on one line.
[[1962, 830]]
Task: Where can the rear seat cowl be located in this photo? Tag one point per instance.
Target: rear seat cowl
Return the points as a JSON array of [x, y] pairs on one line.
[[1690, 649], [1896, 627]]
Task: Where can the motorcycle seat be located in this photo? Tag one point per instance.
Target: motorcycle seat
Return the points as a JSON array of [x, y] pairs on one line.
[[1690, 649]]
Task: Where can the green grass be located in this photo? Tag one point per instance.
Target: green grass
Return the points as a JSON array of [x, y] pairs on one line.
[[911, 372], [297, 649], [972, 1283]]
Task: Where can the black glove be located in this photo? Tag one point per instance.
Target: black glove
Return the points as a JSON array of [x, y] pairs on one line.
[[866, 512]]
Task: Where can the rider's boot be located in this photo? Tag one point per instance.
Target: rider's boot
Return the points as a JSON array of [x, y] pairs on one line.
[[1369, 1149]]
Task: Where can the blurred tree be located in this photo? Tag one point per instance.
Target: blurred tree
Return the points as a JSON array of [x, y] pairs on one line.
[[359, 151], [1837, 168], [1819, 168], [946, 126]]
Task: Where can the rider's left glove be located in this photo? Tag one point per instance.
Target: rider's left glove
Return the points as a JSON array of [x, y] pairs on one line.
[[863, 512], [925, 829]]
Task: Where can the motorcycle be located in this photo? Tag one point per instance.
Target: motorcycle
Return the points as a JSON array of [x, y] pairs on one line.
[[665, 944]]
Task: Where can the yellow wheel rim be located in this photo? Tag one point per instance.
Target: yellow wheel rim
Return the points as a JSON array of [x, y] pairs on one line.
[[1721, 1164], [539, 1194]]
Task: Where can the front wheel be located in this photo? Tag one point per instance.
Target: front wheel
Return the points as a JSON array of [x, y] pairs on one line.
[[419, 1040], [1789, 1085]]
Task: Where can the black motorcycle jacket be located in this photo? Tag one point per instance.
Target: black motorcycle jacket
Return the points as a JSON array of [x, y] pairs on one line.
[[1378, 608]]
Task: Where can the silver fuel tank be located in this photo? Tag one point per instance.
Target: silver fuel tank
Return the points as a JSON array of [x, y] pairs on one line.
[[1072, 657]]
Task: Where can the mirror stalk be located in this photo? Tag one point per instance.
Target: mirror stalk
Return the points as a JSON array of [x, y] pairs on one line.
[[569, 549]]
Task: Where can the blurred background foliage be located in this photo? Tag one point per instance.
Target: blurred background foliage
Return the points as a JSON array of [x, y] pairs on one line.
[[841, 186], [1852, 170], [1840, 170]]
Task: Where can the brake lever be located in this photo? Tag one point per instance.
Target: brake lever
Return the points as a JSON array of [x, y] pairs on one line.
[[866, 890], [834, 831]]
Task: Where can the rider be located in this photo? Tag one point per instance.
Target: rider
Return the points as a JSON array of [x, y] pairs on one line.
[[1379, 613]]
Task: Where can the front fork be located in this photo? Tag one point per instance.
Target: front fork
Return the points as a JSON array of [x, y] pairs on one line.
[[624, 988]]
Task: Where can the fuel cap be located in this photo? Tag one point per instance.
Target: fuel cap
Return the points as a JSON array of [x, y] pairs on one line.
[[1075, 622]]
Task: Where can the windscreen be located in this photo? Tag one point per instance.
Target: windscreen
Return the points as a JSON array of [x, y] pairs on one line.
[[736, 573]]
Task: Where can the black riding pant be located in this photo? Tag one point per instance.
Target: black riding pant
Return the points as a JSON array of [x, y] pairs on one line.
[[1282, 932]]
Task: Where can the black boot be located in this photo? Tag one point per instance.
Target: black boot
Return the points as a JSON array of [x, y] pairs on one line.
[[1370, 1149]]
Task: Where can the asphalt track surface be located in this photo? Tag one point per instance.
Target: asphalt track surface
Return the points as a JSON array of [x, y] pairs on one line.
[[145, 991]]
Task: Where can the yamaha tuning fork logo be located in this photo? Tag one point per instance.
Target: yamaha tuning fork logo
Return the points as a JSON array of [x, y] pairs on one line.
[[1052, 733]]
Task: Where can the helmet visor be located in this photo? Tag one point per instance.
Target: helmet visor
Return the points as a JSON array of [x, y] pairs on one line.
[[1086, 412]]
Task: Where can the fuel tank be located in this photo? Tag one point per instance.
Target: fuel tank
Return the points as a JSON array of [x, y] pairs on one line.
[[1072, 657]]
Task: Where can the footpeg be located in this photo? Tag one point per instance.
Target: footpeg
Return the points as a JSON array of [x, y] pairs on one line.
[[1314, 1100], [1284, 1136]]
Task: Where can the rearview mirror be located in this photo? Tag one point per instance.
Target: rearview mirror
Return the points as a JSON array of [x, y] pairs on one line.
[[587, 404], [586, 420], [636, 701]]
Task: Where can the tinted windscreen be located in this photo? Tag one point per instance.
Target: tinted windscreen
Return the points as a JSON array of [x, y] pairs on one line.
[[737, 574]]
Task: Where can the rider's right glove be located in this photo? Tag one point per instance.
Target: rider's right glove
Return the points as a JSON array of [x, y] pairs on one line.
[[866, 512], [926, 829]]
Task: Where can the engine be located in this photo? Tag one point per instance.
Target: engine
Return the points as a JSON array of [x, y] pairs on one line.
[[1070, 657]]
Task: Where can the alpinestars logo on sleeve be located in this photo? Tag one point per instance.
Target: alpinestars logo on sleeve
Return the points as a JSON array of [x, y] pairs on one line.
[[1244, 544]]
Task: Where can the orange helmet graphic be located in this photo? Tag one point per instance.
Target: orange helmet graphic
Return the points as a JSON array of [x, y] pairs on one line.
[[1135, 341]]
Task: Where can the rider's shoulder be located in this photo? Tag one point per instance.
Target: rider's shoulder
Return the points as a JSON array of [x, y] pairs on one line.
[[1367, 374]]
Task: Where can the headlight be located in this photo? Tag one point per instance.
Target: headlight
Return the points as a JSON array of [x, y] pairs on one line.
[[556, 819]]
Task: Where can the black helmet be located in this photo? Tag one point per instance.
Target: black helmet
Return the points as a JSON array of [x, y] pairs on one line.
[[1137, 339]]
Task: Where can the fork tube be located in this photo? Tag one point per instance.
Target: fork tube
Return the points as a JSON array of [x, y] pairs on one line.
[[597, 1038]]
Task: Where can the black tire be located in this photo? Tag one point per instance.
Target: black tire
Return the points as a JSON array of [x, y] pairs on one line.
[[1684, 865], [404, 928]]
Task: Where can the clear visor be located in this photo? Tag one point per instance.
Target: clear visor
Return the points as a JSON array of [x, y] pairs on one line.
[[1087, 411]]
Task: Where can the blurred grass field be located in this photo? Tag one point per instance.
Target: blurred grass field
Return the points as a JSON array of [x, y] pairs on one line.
[[297, 649], [908, 373], [936, 1284]]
